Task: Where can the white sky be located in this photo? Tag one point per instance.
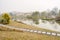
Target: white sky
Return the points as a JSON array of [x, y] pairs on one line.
[[28, 5]]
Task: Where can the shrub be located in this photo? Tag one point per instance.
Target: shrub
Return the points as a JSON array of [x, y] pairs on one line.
[[6, 18]]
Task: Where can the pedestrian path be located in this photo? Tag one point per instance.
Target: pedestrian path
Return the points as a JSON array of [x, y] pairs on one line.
[[30, 30]]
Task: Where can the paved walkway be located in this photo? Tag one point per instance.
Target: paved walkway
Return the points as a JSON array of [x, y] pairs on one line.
[[30, 30]]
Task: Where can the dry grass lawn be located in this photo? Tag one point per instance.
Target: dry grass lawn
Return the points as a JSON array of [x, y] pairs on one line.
[[11, 35], [20, 35]]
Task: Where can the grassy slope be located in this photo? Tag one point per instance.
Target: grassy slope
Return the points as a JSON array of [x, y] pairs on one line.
[[11, 35], [14, 35], [20, 25]]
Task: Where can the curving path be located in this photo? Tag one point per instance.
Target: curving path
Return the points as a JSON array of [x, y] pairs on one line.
[[30, 30]]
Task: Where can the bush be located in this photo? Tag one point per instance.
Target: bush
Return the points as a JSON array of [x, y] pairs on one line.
[[5, 19], [36, 22]]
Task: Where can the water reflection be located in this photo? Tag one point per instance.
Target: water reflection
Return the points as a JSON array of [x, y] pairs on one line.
[[52, 25]]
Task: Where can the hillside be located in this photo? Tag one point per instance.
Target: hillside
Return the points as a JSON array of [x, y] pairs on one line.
[[20, 35], [12, 35], [22, 25]]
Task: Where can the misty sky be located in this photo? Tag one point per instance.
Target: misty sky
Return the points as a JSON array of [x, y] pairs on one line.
[[27, 5]]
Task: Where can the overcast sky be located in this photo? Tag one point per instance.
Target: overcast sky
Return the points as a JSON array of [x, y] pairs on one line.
[[28, 5]]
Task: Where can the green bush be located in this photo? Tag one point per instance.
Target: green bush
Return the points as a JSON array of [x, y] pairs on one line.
[[5, 19], [36, 22]]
